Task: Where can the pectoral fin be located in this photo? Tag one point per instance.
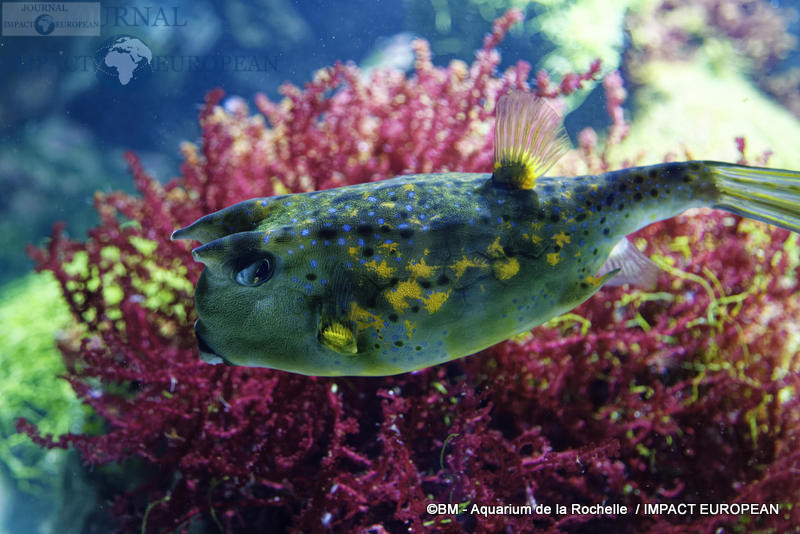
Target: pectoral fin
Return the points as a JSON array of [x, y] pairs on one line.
[[339, 338], [630, 267], [337, 330]]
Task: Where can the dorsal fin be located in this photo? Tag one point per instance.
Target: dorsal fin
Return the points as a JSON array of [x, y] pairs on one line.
[[528, 139]]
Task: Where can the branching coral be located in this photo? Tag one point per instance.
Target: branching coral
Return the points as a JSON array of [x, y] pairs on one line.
[[686, 394]]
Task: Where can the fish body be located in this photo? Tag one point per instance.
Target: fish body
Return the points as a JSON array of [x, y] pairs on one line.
[[393, 276]]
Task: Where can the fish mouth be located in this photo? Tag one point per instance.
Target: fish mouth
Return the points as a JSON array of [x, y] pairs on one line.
[[207, 354]]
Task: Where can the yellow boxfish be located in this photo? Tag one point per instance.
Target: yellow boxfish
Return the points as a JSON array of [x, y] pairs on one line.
[[397, 275]]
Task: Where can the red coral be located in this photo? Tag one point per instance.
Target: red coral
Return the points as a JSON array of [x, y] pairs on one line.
[[679, 396]]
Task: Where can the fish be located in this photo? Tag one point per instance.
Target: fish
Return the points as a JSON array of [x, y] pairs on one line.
[[402, 274]]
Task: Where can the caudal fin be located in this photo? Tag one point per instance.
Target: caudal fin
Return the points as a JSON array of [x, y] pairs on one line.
[[769, 195]]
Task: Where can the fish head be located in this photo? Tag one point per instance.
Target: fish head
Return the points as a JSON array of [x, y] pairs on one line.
[[251, 311]]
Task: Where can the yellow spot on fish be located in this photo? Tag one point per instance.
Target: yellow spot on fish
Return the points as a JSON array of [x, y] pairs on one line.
[[533, 237], [505, 269], [464, 263], [561, 239], [353, 251], [594, 280], [536, 239], [387, 205], [407, 289], [495, 249], [387, 248], [365, 319], [421, 269], [382, 269], [554, 258], [408, 187], [410, 327], [435, 300], [338, 337], [578, 253]]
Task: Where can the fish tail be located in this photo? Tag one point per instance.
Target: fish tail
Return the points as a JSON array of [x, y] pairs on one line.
[[769, 195]]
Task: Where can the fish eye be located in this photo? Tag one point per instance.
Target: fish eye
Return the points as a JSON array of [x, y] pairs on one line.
[[255, 274]]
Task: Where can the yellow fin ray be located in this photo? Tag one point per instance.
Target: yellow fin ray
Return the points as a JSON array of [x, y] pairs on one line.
[[528, 139], [339, 338]]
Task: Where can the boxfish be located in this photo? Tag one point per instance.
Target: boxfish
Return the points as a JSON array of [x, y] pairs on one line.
[[401, 274]]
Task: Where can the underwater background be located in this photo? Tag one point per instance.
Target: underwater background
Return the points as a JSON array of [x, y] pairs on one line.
[[686, 394]]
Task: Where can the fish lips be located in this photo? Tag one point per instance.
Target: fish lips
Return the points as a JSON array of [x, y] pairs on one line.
[[207, 354]]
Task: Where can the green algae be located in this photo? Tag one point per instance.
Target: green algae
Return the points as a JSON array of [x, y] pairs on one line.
[[697, 108], [33, 313]]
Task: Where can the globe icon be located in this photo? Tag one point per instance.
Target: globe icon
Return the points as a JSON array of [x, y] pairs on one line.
[[44, 24], [123, 63]]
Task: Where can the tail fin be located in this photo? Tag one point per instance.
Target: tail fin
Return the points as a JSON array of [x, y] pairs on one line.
[[769, 195]]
